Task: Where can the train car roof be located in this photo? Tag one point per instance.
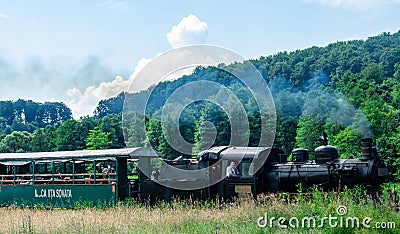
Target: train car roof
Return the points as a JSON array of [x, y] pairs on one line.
[[82, 155], [244, 152], [233, 152], [212, 153]]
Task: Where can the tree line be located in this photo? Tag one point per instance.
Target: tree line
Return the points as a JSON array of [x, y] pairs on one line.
[[26, 115], [85, 133]]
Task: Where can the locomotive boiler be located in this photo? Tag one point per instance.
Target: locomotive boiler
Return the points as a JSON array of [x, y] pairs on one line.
[[327, 171]]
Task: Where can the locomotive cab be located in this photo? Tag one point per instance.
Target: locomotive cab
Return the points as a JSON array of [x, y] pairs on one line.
[[251, 162]]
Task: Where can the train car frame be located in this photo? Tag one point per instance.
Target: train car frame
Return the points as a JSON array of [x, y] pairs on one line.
[[22, 184]]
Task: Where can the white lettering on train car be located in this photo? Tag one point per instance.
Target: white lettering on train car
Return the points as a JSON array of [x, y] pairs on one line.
[[40, 193], [53, 193]]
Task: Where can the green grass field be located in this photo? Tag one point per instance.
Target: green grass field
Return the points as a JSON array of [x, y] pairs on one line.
[[208, 217]]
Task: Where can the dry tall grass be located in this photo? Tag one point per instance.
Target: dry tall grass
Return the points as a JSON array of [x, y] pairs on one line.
[[121, 219], [194, 217]]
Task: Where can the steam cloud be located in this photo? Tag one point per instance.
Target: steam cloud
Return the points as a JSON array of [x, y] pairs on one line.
[[48, 79], [318, 102]]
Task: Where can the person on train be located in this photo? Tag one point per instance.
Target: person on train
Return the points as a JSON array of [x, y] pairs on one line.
[[232, 171]]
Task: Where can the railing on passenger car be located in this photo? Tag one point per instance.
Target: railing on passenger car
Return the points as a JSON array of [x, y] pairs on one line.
[[79, 178]]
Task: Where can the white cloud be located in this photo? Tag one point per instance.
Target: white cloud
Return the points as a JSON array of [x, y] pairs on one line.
[[190, 30], [4, 16], [176, 63], [142, 62], [83, 104], [137, 85], [355, 4], [176, 74], [168, 66], [113, 5]]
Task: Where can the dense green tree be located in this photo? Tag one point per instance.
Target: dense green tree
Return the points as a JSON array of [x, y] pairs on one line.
[[22, 115], [110, 106], [71, 135], [393, 152], [89, 122], [97, 139], [307, 134], [134, 129], [204, 136], [348, 143], [16, 142], [43, 140], [153, 132], [113, 125], [289, 107]]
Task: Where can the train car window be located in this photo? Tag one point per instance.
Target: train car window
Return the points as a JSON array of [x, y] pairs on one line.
[[224, 165], [246, 171], [251, 169], [155, 168]]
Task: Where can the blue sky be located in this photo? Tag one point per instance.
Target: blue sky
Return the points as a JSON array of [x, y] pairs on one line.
[[80, 52]]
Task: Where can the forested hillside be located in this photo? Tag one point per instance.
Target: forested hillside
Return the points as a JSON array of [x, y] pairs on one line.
[[349, 90], [28, 116]]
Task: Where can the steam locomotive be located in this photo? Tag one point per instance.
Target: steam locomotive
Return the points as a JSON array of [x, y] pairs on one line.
[[273, 175]]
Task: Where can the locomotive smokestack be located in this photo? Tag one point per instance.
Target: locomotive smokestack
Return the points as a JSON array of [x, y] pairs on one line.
[[366, 149], [324, 138]]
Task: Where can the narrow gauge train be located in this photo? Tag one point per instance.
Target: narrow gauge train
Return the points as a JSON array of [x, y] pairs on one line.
[[70, 178]]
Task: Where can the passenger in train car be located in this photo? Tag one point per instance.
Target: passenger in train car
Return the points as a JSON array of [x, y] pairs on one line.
[[99, 168], [89, 180], [111, 174], [232, 171], [106, 169], [155, 174]]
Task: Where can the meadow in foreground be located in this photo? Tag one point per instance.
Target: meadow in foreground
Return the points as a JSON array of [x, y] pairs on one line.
[[210, 217]]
